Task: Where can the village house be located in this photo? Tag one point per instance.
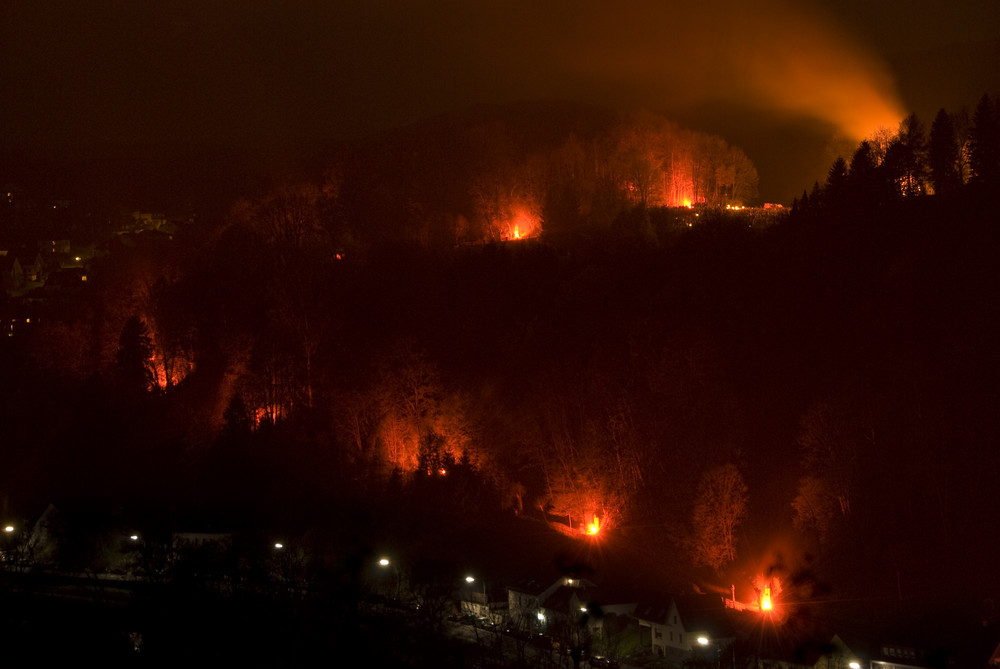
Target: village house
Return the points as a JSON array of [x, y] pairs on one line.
[[486, 604], [527, 597], [687, 625]]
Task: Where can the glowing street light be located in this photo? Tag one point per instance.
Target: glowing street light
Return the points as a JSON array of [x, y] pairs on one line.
[[394, 585], [278, 545], [8, 529], [470, 579], [703, 640], [854, 664]]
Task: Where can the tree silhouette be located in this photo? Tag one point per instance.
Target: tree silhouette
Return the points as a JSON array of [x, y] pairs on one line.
[[833, 437], [943, 155], [133, 371], [906, 158], [815, 508], [836, 182], [984, 143], [864, 178]]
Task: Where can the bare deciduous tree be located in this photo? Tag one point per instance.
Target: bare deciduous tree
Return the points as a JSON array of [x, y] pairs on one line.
[[720, 507]]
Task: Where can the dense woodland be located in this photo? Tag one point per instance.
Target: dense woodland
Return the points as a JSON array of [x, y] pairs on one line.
[[558, 336]]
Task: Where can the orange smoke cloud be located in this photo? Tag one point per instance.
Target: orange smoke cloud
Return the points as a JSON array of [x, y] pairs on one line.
[[779, 56]]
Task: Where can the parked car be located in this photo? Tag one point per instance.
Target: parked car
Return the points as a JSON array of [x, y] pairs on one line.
[[602, 661]]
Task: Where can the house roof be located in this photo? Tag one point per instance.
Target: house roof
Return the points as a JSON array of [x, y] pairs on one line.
[[562, 600], [602, 597], [531, 586], [654, 613], [705, 613]]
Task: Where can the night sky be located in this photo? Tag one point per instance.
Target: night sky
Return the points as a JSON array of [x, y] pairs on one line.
[[790, 82]]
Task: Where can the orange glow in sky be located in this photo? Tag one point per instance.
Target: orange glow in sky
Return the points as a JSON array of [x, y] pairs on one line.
[[775, 55]]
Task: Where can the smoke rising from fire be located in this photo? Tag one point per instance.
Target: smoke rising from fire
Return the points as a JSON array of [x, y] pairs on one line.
[[396, 61], [787, 58], [287, 74]]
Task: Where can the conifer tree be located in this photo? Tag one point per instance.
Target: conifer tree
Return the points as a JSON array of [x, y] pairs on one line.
[[943, 155], [984, 143], [906, 159]]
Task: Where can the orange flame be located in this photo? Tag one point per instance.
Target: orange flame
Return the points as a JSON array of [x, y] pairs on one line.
[[522, 224], [594, 527], [765, 599]]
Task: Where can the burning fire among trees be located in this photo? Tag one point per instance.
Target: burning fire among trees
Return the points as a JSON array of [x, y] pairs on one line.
[[337, 283], [579, 379]]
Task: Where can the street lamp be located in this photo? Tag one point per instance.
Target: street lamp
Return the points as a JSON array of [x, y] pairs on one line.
[[854, 664], [386, 563], [470, 579], [705, 641]]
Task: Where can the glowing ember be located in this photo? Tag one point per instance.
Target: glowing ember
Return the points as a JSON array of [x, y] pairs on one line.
[[594, 527], [517, 233]]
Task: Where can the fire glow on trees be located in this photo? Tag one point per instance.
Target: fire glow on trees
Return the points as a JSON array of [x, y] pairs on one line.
[[522, 225], [657, 163]]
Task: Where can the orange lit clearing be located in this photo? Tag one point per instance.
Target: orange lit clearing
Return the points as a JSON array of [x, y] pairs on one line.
[[594, 527]]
